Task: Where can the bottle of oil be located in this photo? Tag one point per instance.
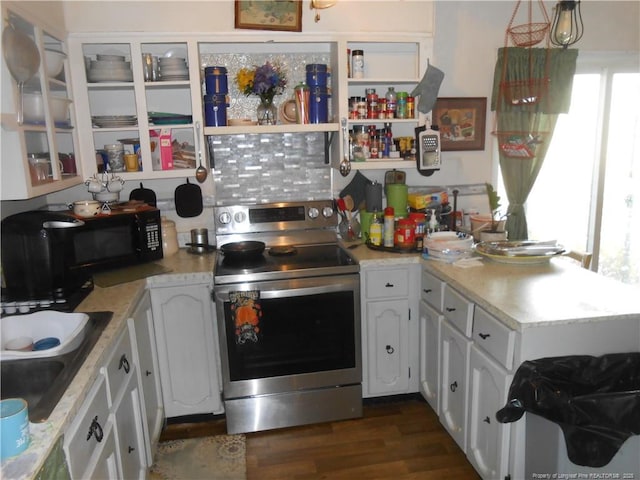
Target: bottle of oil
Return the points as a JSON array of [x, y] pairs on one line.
[[375, 230]]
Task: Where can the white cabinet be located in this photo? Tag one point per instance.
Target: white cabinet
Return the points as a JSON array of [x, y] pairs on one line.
[[454, 362], [488, 440], [186, 338], [117, 105], [144, 345], [389, 330], [38, 155], [106, 439], [430, 325], [431, 305]]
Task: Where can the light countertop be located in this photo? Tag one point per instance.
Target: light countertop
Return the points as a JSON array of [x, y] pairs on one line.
[[119, 299]]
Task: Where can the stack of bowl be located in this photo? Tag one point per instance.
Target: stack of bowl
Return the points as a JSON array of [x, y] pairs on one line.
[[110, 68], [173, 69]]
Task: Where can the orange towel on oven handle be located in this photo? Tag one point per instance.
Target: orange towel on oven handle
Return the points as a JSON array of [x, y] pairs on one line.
[[246, 311]]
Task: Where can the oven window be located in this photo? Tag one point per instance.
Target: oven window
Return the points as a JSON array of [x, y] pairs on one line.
[[295, 335]]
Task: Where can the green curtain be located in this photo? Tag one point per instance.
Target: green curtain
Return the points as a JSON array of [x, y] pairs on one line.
[[531, 86]]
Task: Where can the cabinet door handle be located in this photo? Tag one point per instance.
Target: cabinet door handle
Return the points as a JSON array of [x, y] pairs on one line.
[[95, 430], [450, 309], [453, 387], [390, 349], [124, 363], [131, 449], [484, 336], [487, 420], [389, 285], [427, 290], [147, 373]]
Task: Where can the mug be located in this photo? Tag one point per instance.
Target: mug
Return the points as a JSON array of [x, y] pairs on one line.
[[68, 163], [115, 184], [94, 185], [14, 427]]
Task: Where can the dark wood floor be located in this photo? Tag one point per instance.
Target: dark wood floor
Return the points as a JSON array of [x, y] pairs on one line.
[[395, 439]]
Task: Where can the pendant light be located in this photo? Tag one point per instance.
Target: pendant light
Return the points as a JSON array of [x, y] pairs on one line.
[[567, 27]]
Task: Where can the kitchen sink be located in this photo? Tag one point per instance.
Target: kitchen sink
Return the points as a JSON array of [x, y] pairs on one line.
[[43, 381]]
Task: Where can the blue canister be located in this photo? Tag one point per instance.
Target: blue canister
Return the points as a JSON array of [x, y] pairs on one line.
[[14, 427], [215, 110], [319, 105], [216, 80], [317, 75]]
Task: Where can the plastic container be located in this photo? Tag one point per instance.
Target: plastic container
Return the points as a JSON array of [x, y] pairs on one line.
[[357, 64], [169, 237], [405, 236], [375, 229]]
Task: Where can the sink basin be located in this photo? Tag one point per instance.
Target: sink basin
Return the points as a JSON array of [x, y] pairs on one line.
[[42, 381], [69, 328]]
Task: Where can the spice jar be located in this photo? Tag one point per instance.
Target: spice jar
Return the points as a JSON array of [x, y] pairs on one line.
[[169, 236]]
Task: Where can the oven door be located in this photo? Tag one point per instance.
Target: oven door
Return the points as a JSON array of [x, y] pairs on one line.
[[289, 335]]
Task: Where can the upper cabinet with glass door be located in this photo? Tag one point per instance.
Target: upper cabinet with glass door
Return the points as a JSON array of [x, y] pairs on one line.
[[39, 137], [138, 96]]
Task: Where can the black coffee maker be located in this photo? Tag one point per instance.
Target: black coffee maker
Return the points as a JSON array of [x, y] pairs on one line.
[[33, 258]]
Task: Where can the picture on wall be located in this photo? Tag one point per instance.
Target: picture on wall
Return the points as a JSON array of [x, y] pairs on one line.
[[461, 122], [285, 15]]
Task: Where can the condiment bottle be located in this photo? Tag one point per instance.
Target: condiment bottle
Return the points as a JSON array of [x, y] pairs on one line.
[[405, 236], [389, 219], [391, 97], [375, 229], [357, 64]]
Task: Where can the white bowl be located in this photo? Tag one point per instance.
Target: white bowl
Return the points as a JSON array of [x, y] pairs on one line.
[[33, 108], [54, 61]]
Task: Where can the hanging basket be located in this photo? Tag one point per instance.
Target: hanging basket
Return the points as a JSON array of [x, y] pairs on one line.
[[524, 92], [520, 144], [528, 34]]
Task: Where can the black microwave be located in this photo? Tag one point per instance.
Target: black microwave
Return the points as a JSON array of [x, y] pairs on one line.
[[51, 254]]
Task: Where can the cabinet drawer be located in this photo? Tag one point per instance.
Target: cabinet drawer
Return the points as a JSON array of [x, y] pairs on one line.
[[458, 310], [432, 291], [120, 366], [85, 435], [495, 338], [382, 283]]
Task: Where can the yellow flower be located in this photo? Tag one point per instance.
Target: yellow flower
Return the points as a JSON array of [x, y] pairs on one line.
[[244, 79]]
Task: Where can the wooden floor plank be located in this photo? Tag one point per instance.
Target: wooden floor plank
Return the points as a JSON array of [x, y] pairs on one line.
[[399, 439]]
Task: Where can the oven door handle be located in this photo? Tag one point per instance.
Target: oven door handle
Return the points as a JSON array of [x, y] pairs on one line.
[[301, 292]]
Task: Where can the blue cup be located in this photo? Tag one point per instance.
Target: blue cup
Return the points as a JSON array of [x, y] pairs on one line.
[[215, 110], [216, 80], [319, 105], [14, 427]]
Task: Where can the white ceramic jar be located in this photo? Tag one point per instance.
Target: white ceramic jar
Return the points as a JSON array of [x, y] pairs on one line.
[[169, 236], [86, 208]]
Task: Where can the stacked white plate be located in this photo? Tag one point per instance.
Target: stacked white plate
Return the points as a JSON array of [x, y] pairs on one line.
[[109, 68], [448, 246], [173, 69], [114, 121]]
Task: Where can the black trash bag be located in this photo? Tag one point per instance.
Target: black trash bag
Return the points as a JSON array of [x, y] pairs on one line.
[[594, 400]]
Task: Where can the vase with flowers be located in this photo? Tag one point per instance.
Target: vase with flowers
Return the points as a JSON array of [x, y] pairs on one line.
[[266, 82]]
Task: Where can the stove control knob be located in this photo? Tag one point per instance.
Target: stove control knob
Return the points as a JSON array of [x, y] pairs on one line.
[[327, 212], [240, 217], [313, 212], [224, 218]]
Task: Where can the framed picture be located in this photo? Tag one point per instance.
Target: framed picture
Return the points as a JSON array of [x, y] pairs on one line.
[[283, 15], [461, 122]]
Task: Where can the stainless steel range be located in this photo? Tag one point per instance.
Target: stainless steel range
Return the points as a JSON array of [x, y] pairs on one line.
[[288, 318]]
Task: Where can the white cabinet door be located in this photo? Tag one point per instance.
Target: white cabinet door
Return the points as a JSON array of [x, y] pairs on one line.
[[105, 465], [454, 357], [387, 327], [129, 428], [488, 440], [184, 318], [148, 372], [430, 324]]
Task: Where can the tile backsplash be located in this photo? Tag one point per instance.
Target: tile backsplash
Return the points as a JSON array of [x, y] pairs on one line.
[[261, 168]]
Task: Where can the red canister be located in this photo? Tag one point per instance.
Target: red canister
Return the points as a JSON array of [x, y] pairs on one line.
[[405, 236]]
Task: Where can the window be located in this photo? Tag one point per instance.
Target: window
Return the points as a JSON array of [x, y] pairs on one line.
[[587, 195]]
